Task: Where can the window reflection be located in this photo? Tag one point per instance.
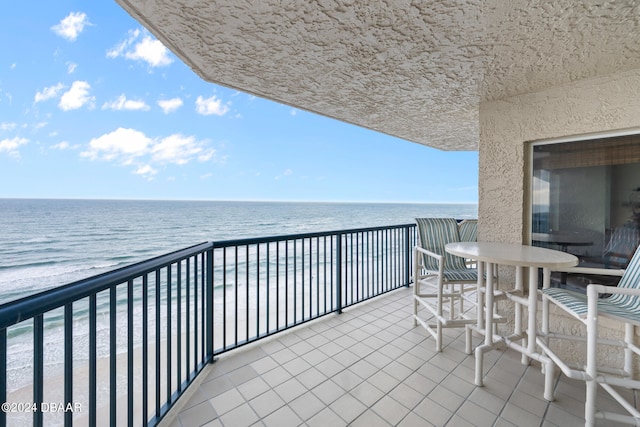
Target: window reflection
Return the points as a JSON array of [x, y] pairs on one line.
[[586, 201]]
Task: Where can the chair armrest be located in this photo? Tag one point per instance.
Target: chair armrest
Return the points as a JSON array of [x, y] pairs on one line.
[[429, 253], [594, 289], [591, 270]]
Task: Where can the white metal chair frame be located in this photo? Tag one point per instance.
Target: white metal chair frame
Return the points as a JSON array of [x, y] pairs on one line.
[[620, 303], [446, 290]]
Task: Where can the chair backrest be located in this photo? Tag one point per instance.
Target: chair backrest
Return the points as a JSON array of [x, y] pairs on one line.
[[630, 279], [434, 234], [621, 246], [468, 230], [631, 276]]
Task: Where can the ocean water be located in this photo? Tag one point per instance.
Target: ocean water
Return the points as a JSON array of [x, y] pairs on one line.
[[48, 243]]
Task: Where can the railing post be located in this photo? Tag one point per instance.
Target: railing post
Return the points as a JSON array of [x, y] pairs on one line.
[[209, 305], [338, 273], [407, 257]]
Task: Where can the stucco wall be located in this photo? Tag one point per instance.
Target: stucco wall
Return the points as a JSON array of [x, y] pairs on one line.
[[588, 106]]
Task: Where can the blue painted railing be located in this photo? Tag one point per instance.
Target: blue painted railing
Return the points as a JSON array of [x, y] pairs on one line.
[[124, 345]]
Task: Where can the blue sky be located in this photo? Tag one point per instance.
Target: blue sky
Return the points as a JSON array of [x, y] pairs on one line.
[[93, 106]]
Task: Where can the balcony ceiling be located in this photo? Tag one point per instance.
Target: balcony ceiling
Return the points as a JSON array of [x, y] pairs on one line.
[[417, 70]]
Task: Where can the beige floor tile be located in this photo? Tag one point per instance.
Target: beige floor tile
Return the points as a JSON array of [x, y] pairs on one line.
[[363, 369], [486, 400], [197, 415], [390, 410], [521, 417], [383, 381], [398, 371], [346, 379], [264, 365], [296, 366], [227, 401], [283, 417], [329, 367], [301, 348], [367, 393], [328, 392], [266, 403], [458, 421], [475, 414], [253, 388], [446, 398], [433, 412], [414, 420], [325, 418], [276, 376], [307, 405], [348, 407], [240, 417], [406, 395], [370, 419], [290, 389], [311, 378]]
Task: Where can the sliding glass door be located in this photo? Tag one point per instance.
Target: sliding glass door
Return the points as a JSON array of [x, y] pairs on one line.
[[586, 200]]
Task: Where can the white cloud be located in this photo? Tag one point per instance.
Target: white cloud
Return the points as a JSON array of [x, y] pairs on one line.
[[210, 106], [140, 46], [122, 145], [180, 150], [71, 67], [10, 146], [294, 112], [77, 96], [132, 147], [170, 105], [8, 126], [13, 66], [146, 171], [287, 172], [48, 92], [122, 103], [71, 26], [64, 145]]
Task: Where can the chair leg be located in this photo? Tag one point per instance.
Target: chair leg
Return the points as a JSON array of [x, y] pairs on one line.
[[628, 353], [416, 286], [468, 344], [590, 403], [591, 368], [451, 289]]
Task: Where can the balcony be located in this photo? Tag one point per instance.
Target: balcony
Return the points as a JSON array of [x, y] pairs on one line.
[[309, 329], [370, 367]]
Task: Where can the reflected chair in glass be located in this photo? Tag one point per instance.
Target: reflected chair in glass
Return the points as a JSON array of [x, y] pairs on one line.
[[620, 304]]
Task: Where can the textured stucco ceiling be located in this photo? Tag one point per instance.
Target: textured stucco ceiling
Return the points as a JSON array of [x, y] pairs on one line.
[[417, 70]]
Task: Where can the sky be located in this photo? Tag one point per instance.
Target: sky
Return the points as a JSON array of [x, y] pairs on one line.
[[93, 106]]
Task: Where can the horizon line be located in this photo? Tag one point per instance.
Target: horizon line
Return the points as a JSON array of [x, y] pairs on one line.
[[240, 200]]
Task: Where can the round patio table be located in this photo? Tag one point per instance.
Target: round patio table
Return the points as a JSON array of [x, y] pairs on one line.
[[486, 254]]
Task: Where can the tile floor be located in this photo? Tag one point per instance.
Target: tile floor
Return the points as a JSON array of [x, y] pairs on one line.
[[370, 367]]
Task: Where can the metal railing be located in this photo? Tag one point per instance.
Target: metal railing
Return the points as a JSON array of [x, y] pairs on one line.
[[125, 345], [263, 286]]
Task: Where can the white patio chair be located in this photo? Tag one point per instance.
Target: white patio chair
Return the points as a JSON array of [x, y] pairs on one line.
[[441, 280], [468, 231], [620, 303]]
